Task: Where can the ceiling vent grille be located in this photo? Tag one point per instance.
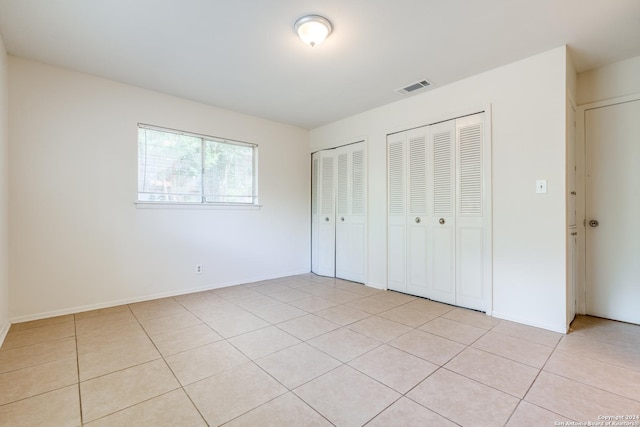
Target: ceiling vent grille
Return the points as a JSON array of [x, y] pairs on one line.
[[414, 87]]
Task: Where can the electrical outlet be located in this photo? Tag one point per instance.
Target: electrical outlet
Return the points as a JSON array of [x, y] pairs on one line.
[[198, 268]]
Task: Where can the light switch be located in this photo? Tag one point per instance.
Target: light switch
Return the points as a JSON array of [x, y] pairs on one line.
[[541, 186]]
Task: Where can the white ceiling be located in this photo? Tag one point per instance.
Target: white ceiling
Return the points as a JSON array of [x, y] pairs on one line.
[[244, 56]]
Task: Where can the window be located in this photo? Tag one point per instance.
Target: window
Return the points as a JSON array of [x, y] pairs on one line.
[[182, 167]]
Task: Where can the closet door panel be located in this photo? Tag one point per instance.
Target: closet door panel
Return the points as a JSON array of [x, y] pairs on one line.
[[396, 213], [358, 259], [471, 227], [326, 227], [470, 283], [343, 240], [358, 212], [417, 218], [351, 212], [442, 214], [396, 268], [315, 214], [417, 274]]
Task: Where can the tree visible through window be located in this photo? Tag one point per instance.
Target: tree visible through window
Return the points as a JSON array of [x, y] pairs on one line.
[[181, 167]]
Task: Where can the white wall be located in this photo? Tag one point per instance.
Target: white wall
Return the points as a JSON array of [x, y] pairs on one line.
[[4, 197], [528, 101], [77, 240], [611, 81]]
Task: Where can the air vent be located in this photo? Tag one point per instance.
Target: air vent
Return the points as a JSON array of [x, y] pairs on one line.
[[414, 87]]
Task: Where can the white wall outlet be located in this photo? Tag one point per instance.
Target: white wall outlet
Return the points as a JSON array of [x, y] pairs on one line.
[[541, 186], [198, 268]]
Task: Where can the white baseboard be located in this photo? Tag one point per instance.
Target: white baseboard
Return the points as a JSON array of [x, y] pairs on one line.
[[4, 331], [555, 328], [132, 300], [377, 285]]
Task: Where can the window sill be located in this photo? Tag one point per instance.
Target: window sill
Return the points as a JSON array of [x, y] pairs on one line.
[[197, 206]]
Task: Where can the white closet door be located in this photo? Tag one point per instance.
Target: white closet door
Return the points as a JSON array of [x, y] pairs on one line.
[[343, 238], [315, 213], [358, 216], [442, 220], [439, 218], [326, 208], [472, 249], [417, 216], [396, 212], [351, 212]]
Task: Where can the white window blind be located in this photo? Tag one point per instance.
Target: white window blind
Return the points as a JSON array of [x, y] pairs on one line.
[[182, 167]]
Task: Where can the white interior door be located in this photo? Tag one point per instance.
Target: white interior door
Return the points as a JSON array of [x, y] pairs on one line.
[[358, 213], [343, 241], [315, 212], [612, 137], [396, 212], [417, 217], [472, 225], [351, 212], [442, 220], [326, 265]]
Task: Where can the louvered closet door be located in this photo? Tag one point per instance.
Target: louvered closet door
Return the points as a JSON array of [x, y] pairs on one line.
[[417, 218], [343, 241], [472, 230], [326, 209], [315, 213], [358, 220], [351, 212], [441, 235], [439, 219], [396, 212]]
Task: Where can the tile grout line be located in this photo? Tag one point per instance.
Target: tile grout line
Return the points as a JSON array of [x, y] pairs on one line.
[[301, 342], [75, 337], [125, 368], [522, 399], [181, 386], [253, 361]]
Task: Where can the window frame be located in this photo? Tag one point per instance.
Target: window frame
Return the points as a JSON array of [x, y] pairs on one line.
[[203, 203]]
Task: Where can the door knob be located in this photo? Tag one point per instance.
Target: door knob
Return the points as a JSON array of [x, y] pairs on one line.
[[342, 219], [327, 219], [417, 220], [441, 221], [593, 223]]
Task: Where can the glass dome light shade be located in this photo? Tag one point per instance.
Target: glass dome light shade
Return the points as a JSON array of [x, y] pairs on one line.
[[313, 29]]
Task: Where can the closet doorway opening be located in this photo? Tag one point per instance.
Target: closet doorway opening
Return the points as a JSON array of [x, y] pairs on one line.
[[439, 212], [339, 212]]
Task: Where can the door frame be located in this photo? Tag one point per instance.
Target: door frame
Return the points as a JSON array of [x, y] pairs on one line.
[[581, 197]]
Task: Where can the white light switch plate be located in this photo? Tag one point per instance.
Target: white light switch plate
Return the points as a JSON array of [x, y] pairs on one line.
[[541, 186]]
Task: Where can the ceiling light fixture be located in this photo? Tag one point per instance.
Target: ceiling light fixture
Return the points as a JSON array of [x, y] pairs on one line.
[[313, 29]]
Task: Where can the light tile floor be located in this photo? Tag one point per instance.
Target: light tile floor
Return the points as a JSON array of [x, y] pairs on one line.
[[312, 351]]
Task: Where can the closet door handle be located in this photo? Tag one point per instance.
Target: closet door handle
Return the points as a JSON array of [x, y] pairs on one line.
[[418, 220], [441, 221], [326, 219], [342, 219]]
